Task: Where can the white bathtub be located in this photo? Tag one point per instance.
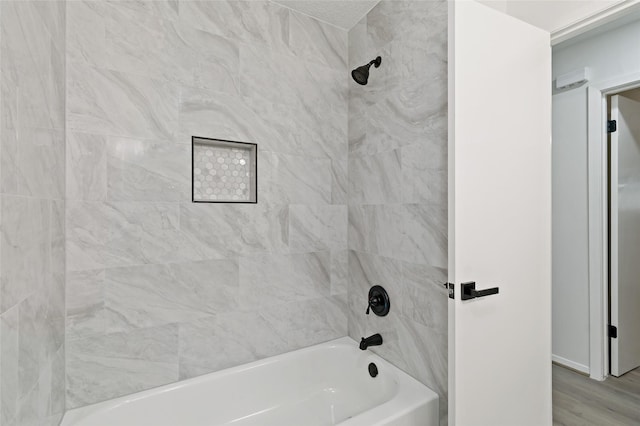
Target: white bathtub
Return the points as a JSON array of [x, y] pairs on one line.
[[327, 384]]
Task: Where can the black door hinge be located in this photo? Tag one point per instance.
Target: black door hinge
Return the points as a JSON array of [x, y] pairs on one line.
[[612, 126], [613, 331], [449, 286]]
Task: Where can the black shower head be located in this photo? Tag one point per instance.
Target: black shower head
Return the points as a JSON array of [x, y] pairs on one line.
[[361, 74]]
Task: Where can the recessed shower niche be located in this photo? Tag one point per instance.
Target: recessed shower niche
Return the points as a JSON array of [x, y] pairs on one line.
[[224, 171]]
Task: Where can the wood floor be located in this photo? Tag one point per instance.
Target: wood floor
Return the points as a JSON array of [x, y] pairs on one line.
[[580, 401]]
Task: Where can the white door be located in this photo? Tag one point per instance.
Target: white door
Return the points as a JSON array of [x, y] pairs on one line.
[[625, 235], [500, 219]]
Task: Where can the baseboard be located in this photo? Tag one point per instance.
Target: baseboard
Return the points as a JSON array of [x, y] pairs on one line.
[[570, 364]]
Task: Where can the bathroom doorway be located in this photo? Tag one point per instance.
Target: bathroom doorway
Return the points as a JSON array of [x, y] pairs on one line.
[[607, 62], [612, 398], [623, 128], [596, 170]]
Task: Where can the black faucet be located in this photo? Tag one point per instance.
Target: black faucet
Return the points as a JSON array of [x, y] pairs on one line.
[[374, 340]]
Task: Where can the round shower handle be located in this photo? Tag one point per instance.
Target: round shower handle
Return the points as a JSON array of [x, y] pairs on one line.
[[378, 301]]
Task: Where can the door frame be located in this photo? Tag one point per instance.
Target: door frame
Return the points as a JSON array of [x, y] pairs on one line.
[[598, 218]]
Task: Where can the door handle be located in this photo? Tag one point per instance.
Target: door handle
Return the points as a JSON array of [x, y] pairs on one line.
[[469, 291]]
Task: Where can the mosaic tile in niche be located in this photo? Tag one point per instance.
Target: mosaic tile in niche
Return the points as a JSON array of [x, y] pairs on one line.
[[224, 171]]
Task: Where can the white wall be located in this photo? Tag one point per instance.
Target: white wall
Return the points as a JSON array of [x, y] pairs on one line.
[[570, 296], [611, 54]]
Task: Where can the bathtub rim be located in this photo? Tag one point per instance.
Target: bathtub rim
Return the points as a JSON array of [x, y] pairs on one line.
[[410, 393]]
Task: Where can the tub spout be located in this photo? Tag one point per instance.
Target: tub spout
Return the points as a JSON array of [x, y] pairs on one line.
[[374, 340]]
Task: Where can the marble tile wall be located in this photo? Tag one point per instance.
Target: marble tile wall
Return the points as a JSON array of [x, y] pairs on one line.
[[32, 208], [160, 289], [397, 186]]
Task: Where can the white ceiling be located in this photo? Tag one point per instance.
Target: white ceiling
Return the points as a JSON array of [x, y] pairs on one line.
[[341, 13], [550, 15]]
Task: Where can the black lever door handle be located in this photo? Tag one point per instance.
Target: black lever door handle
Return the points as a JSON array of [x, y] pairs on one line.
[[469, 291]]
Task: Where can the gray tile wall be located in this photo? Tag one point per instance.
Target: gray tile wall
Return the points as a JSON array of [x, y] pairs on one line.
[[397, 227], [32, 175], [160, 289]]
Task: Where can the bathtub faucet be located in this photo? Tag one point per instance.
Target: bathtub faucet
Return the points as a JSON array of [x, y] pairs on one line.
[[374, 340]]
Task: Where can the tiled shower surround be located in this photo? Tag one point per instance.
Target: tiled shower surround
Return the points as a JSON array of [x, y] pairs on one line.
[[32, 254], [160, 289], [352, 192], [398, 186]]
